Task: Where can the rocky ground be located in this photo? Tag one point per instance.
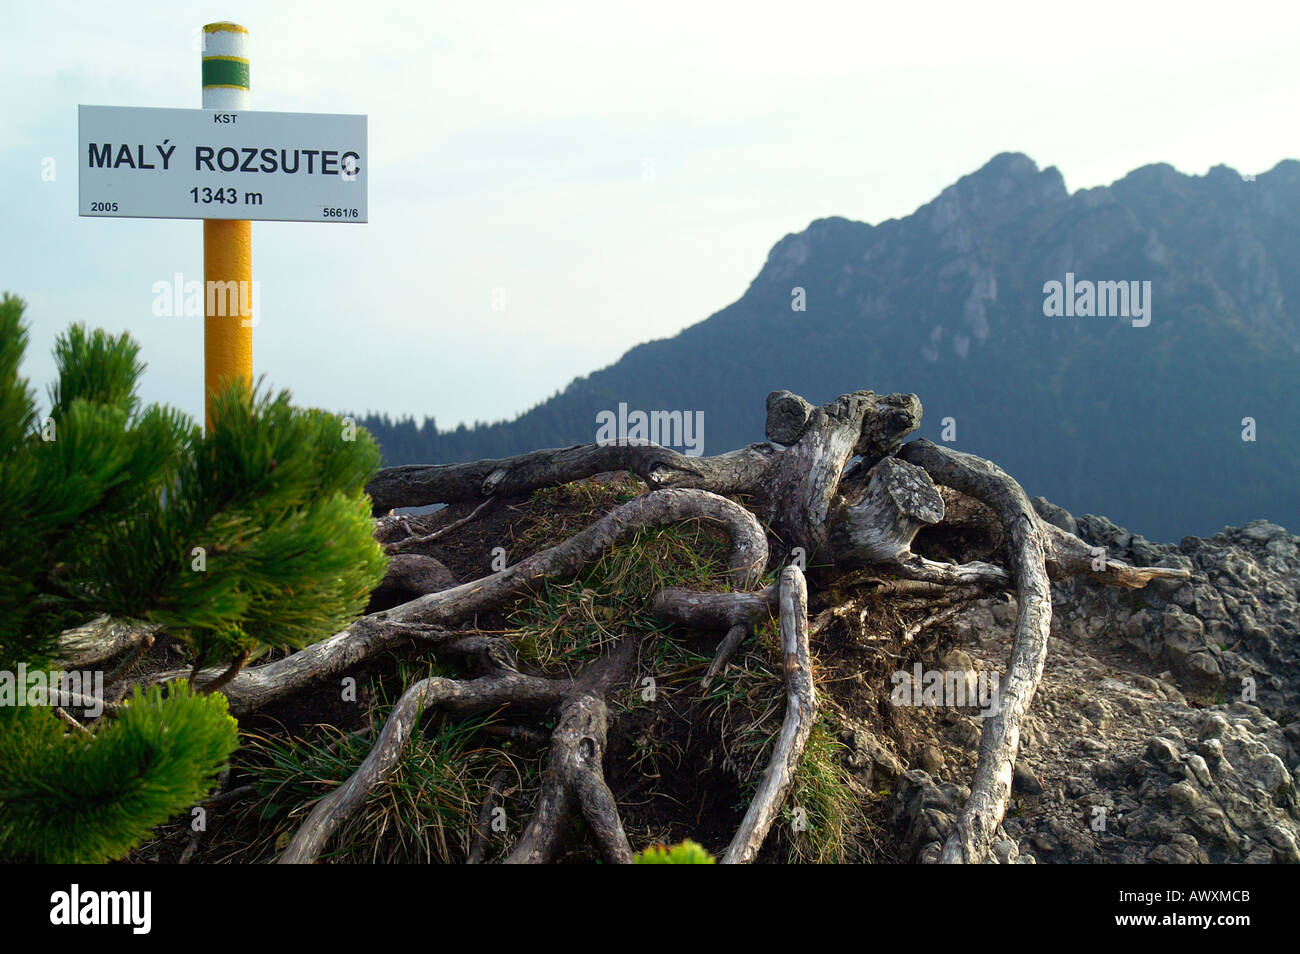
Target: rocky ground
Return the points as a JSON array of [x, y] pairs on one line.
[[1165, 727]]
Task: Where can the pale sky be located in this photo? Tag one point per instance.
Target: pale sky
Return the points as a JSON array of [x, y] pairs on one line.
[[619, 169]]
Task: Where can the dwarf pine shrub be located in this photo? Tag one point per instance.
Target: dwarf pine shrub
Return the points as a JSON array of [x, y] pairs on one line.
[[253, 536]]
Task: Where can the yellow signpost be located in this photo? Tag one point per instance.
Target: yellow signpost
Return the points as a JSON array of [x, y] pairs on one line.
[[227, 165], [227, 243]]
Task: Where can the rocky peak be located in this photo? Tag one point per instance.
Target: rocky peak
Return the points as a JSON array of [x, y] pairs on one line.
[[1002, 188]]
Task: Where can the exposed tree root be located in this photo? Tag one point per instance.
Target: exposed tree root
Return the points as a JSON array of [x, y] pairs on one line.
[[574, 775], [726, 649], [921, 570], [1067, 555], [714, 610], [800, 713], [877, 523], [258, 685], [420, 485], [75, 700], [972, 834], [63, 716], [833, 481], [795, 485], [912, 630], [736, 612], [1029, 541], [486, 693]]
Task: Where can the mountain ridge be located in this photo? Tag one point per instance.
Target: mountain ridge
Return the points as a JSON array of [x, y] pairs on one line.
[[947, 303]]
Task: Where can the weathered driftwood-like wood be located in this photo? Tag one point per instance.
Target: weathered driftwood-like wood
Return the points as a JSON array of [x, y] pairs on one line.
[[800, 713], [489, 652], [797, 491], [1067, 555], [419, 485], [909, 589], [100, 639], [737, 612], [787, 417], [921, 570], [878, 523], [460, 698], [799, 484], [72, 723], [892, 418], [714, 610], [947, 612], [794, 485], [259, 685], [972, 835], [574, 776]]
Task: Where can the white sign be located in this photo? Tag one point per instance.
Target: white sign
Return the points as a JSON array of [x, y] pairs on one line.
[[138, 162]]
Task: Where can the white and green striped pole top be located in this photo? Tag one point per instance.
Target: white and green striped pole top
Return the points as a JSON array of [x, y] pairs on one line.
[[225, 66]]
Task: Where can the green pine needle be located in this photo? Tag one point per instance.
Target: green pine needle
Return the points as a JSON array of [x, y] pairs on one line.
[[65, 798]]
